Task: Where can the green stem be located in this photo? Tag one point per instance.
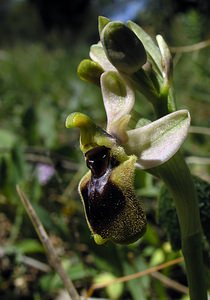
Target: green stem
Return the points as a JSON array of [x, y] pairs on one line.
[[177, 177], [159, 94]]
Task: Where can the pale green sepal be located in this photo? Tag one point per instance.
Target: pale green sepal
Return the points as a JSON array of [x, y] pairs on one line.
[[142, 122], [118, 99], [149, 45], [98, 55], [102, 22], [167, 64], [91, 135], [158, 141]]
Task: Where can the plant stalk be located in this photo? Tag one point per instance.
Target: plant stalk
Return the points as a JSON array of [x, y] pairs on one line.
[[177, 177]]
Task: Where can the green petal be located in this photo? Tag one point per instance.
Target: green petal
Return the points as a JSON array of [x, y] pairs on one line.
[[158, 141]]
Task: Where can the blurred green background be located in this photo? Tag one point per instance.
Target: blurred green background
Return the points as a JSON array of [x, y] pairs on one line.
[[41, 45]]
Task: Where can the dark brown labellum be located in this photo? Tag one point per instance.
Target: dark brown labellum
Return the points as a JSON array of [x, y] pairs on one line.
[[111, 206], [103, 199]]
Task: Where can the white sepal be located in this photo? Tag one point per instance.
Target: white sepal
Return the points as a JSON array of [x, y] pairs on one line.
[[118, 99], [158, 141], [98, 55]]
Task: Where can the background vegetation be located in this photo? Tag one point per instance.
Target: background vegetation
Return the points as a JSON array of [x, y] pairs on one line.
[[41, 44]]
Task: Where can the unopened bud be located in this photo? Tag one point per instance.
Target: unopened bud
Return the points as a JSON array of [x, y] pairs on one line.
[[90, 71], [122, 47]]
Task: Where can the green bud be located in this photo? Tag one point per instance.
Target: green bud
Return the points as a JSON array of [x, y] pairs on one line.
[[90, 71], [122, 47], [112, 209]]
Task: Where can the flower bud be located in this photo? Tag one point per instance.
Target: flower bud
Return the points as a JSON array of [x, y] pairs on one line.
[[112, 209], [122, 47], [90, 71]]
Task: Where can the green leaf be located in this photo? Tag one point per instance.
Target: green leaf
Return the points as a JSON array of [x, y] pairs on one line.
[[52, 282], [135, 286], [29, 246], [7, 138], [114, 291]]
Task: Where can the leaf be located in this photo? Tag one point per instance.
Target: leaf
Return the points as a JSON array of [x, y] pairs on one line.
[[136, 286], [7, 139], [29, 246], [52, 282], [114, 291]]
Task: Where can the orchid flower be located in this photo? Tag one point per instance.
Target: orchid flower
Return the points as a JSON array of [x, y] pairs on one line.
[[112, 154], [127, 59], [157, 142], [107, 190]]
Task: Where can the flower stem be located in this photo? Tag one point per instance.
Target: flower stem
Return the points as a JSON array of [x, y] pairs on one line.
[[177, 177]]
